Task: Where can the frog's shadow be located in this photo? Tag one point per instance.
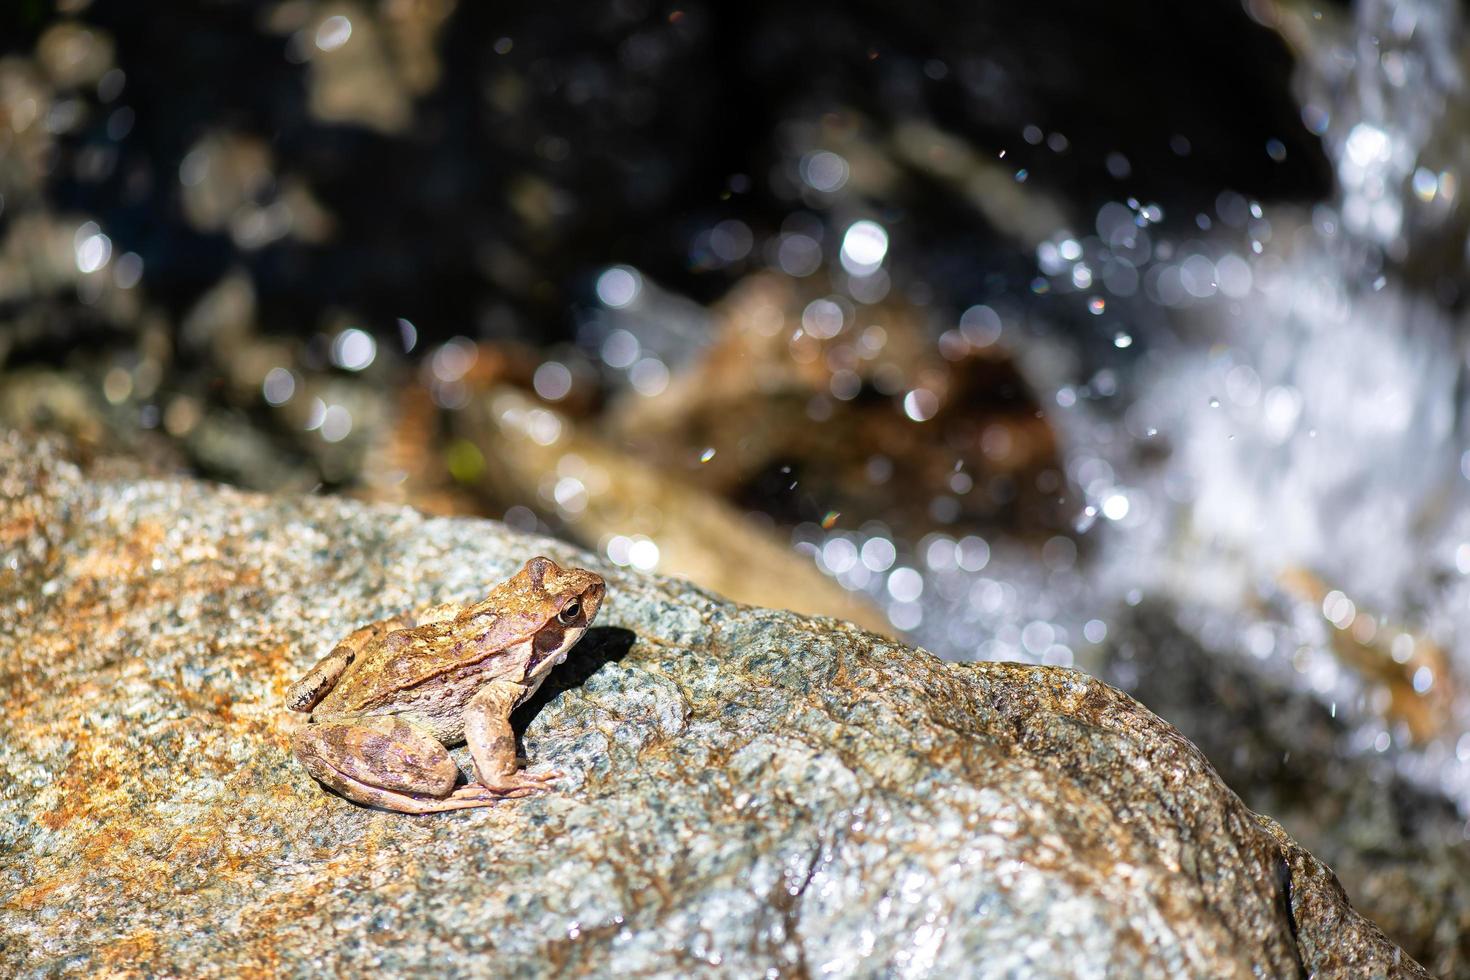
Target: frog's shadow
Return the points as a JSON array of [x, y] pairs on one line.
[[600, 645]]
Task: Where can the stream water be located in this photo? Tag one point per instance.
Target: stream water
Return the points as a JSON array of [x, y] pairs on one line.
[[1273, 446]]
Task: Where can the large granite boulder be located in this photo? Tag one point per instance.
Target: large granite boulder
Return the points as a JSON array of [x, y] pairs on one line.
[[748, 792]]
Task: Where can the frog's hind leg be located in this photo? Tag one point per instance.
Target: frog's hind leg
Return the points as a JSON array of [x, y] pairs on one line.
[[386, 762]]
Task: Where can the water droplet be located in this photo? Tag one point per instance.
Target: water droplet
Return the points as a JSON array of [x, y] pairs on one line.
[[552, 381], [920, 404], [408, 334], [824, 171], [279, 385], [354, 349], [649, 376], [336, 423], [905, 584], [643, 554], [619, 286], [863, 248], [333, 33]]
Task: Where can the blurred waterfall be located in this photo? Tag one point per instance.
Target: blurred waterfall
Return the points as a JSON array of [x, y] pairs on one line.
[[1272, 441], [1318, 471]]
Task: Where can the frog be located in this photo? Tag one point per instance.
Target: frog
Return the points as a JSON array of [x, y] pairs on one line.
[[390, 699]]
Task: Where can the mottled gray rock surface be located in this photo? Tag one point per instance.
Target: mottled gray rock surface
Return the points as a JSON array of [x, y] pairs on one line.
[[748, 792], [1400, 849]]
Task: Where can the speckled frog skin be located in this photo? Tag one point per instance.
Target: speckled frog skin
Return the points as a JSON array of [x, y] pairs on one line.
[[388, 699]]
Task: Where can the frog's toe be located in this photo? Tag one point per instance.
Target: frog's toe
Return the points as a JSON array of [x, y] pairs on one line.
[[523, 783], [487, 794]]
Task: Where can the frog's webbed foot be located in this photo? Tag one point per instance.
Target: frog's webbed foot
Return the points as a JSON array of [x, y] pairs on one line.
[[549, 776], [485, 795], [519, 783]]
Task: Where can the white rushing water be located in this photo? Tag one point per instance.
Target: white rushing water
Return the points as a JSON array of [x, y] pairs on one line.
[[1303, 367]]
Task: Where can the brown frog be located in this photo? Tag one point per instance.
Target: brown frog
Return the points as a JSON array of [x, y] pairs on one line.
[[389, 698]]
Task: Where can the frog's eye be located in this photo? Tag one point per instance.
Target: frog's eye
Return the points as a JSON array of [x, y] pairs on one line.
[[569, 612]]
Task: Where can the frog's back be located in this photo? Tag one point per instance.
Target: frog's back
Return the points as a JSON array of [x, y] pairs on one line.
[[396, 672]]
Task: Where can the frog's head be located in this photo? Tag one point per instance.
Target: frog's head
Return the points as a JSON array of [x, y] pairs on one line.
[[565, 601]]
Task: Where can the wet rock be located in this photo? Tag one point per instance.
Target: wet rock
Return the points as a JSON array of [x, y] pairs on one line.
[[1400, 849], [746, 791]]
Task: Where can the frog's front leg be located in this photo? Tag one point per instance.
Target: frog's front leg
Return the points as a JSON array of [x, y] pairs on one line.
[[493, 744], [386, 762]]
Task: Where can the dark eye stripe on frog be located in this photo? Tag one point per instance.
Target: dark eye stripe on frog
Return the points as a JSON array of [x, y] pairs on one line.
[[548, 639]]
